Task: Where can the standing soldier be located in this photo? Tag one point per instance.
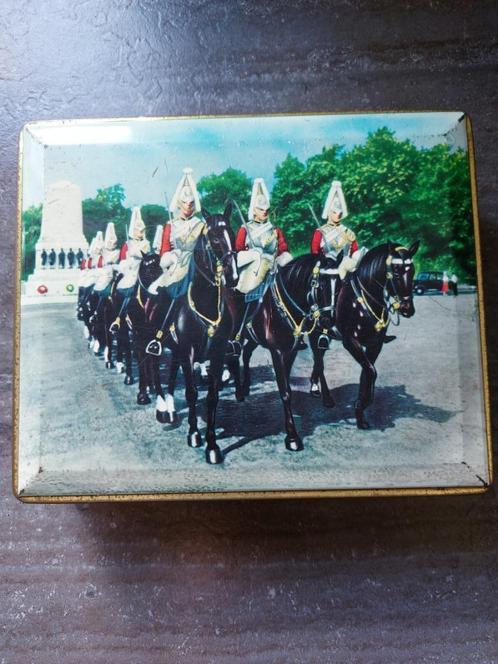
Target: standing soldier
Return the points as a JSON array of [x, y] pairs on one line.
[[130, 256], [52, 257], [62, 259], [261, 248], [70, 257], [80, 256], [179, 237], [44, 258]]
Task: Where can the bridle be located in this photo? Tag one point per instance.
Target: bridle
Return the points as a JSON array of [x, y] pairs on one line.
[[211, 324], [283, 301], [391, 300]]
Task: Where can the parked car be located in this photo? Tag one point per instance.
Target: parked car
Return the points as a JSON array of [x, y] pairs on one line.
[[430, 281]]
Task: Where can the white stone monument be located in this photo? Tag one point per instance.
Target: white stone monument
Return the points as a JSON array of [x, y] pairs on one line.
[[61, 236]]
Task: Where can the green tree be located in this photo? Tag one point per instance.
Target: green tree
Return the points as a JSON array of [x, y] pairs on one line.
[[31, 224], [215, 190], [298, 186], [377, 177], [106, 206], [153, 215]]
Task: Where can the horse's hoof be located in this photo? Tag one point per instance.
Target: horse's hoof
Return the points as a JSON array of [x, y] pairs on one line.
[[163, 417], [315, 390], [362, 424], [120, 367], [129, 380], [194, 439], [143, 399], [109, 365], [214, 456], [294, 443]]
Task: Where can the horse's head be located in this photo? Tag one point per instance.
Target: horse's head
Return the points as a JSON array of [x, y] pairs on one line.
[[149, 269], [221, 243], [400, 273]]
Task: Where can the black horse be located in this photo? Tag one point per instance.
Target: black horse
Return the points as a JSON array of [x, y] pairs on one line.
[[297, 302], [199, 325], [380, 288], [135, 328]]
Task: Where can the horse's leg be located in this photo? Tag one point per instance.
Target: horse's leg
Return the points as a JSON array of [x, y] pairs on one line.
[[128, 342], [98, 333], [166, 404], [143, 398], [318, 375], [108, 338], [233, 364], [289, 362], [213, 452], [367, 378], [249, 347], [292, 440], [194, 437]]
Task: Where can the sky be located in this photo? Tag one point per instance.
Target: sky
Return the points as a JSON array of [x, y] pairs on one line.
[[147, 156]]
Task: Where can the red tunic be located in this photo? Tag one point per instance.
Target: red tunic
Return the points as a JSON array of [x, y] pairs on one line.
[[166, 239], [89, 264], [123, 252], [83, 264], [241, 244], [100, 262], [317, 248]]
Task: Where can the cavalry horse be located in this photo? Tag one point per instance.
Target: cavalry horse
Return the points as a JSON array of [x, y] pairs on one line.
[[199, 325], [135, 327], [381, 287], [297, 302]]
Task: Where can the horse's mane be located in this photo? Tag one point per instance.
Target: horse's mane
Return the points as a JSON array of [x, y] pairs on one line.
[[299, 269], [373, 262]]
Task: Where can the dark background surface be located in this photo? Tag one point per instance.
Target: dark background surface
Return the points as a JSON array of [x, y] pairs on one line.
[[370, 580]]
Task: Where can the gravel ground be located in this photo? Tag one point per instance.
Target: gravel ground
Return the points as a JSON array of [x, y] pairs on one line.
[[82, 427]]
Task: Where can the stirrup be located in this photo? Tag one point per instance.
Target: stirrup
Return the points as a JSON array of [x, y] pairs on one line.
[[114, 328], [323, 342], [154, 347], [234, 348]]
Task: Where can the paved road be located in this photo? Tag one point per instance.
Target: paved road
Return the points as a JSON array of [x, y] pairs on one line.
[[81, 425]]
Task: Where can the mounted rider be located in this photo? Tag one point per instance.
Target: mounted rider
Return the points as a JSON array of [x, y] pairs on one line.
[[335, 241], [130, 256], [94, 261], [179, 239], [89, 272], [261, 248], [106, 274]]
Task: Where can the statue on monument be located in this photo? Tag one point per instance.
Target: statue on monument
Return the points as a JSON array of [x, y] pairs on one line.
[[61, 230]]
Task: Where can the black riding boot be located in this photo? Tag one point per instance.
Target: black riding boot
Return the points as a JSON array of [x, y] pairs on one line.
[[155, 347], [116, 324]]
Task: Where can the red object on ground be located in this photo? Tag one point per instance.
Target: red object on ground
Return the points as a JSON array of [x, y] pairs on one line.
[[42, 289]]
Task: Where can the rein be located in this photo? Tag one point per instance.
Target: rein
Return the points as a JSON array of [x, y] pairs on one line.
[[212, 324], [390, 303], [315, 310]]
